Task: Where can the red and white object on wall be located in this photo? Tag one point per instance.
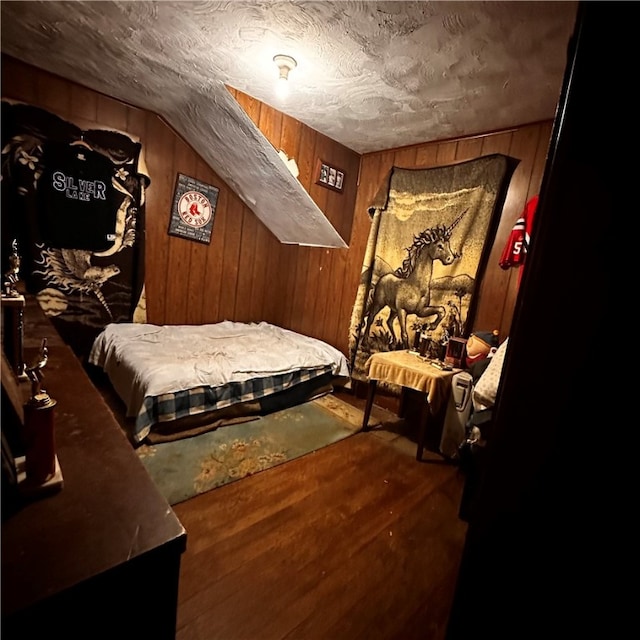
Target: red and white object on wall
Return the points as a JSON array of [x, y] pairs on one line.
[[519, 240]]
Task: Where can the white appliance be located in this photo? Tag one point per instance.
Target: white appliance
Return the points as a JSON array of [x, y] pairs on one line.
[[458, 411]]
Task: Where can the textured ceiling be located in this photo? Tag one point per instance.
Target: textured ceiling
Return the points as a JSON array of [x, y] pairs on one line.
[[371, 75]]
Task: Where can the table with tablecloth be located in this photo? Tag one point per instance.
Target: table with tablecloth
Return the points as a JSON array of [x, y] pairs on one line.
[[409, 370]]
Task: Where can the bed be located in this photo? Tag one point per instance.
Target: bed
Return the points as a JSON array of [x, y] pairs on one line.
[[167, 375]]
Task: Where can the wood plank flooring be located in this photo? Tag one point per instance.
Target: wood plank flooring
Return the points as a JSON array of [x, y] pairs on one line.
[[356, 540]]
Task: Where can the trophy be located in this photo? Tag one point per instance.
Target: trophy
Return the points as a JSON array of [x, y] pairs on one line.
[[11, 276], [41, 463]]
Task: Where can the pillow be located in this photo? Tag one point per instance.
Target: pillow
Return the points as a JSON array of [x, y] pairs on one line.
[[485, 389]]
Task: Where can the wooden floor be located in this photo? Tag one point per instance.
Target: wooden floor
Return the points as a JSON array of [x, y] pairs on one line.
[[356, 540]]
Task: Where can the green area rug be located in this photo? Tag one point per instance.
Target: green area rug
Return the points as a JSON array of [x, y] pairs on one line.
[[185, 468]]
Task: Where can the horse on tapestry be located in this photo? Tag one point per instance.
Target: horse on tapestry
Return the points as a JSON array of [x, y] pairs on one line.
[[408, 289]]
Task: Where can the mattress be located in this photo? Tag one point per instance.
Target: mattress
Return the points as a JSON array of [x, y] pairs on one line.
[[166, 372]]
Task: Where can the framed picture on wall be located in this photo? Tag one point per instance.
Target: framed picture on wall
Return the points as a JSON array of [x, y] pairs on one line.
[[329, 176], [193, 210]]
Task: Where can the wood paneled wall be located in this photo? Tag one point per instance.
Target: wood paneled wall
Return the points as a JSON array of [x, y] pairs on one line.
[[528, 144], [245, 274]]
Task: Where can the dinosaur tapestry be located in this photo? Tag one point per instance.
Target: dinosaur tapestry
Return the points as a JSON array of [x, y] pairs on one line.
[[73, 201], [431, 230]]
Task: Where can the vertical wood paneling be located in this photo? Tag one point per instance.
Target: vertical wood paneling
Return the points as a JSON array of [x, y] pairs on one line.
[[259, 265], [300, 302], [538, 160], [306, 158], [334, 332], [523, 142], [290, 266], [245, 268], [84, 104], [250, 105], [266, 251], [279, 129], [275, 274], [326, 273], [426, 155], [303, 257], [53, 94], [212, 265], [179, 253], [233, 225], [303, 254], [372, 175], [18, 81], [494, 281], [185, 256], [496, 293], [205, 258], [137, 121], [159, 146], [136, 125], [274, 280], [316, 287], [446, 153], [249, 284], [111, 113], [339, 206], [544, 137], [468, 149], [244, 274], [313, 288], [405, 158], [270, 124], [497, 143], [290, 138]]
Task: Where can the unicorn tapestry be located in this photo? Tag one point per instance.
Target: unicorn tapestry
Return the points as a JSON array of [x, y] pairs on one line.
[[431, 230]]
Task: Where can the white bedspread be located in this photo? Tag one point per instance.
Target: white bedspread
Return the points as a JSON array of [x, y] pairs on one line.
[[144, 360]]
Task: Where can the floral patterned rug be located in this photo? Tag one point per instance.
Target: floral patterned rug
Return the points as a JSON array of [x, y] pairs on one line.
[[190, 466]]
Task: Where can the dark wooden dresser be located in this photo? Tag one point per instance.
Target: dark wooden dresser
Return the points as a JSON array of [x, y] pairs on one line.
[[99, 558]]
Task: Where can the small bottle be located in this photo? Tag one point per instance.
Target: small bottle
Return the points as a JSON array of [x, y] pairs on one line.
[[416, 340], [424, 343]]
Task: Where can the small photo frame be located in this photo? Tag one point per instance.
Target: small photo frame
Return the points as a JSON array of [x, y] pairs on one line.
[[455, 352], [329, 176]]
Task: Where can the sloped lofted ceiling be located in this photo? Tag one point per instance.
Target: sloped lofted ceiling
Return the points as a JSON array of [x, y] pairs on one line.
[[370, 75]]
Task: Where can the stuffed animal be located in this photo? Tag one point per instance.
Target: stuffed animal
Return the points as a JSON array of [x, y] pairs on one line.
[[481, 345]]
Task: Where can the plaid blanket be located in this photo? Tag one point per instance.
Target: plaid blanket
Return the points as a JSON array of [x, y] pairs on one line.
[[190, 402]]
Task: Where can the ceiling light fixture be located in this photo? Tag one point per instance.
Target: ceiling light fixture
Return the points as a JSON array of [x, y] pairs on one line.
[[285, 64]]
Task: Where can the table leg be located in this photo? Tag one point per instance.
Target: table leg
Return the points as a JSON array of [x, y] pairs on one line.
[[422, 435], [402, 403], [367, 408]]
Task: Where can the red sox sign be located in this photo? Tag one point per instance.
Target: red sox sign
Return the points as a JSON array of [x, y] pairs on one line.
[[194, 209], [194, 205]]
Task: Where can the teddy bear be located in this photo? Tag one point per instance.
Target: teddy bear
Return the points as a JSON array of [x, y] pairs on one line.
[[481, 345]]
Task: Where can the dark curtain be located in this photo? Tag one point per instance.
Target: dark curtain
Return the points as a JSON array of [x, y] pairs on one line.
[[73, 201]]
